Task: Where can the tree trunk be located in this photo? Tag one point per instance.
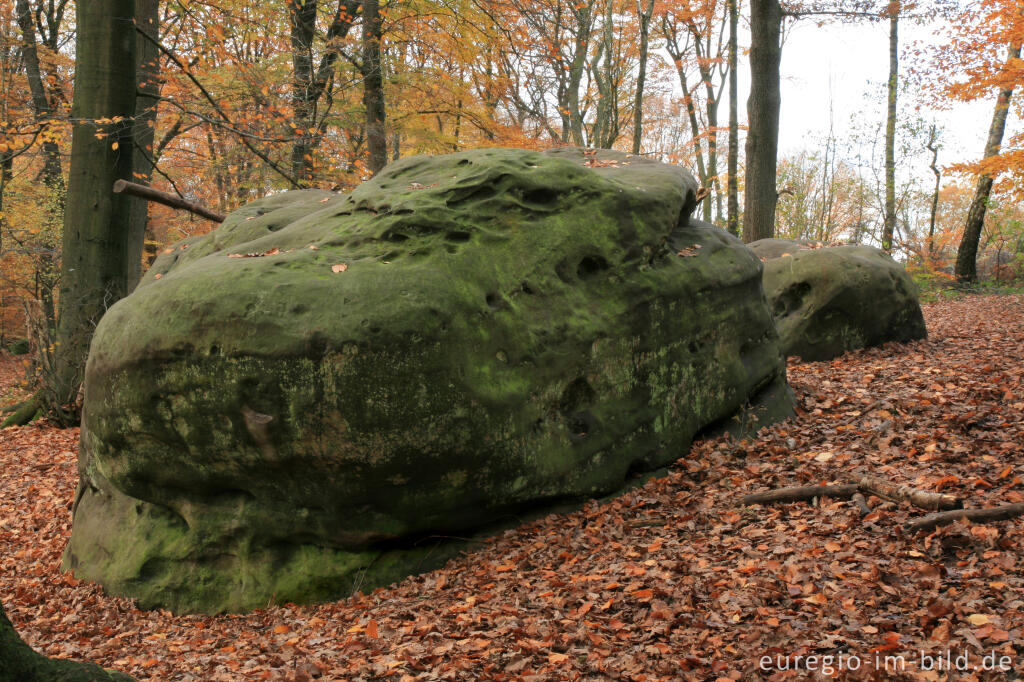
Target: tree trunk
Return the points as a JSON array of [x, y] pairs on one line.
[[933, 147], [373, 87], [147, 18], [759, 195], [303, 25], [96, 271], [889, 220], [967, 255], [704, 65], [20, 663], [584, 15], [644, 15], [732, 187], [52, 174], [607, 97], [42, 109]]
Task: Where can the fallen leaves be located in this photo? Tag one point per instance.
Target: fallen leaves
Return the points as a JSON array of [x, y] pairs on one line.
[[339, 267], [671, 581], [270, 252]]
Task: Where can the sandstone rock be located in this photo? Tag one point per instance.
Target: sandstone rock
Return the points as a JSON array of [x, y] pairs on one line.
[[828, 300], [292, 407]]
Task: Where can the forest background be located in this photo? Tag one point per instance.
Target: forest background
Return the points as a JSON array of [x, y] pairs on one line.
[[239, 99]]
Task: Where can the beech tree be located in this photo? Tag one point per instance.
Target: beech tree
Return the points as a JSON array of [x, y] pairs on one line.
[[759, 194], [96, 266]]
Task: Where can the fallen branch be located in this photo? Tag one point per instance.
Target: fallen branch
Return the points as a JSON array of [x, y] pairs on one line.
[[862, 504], [802, 493], [1006, 511], [150, 194], [919, 498]]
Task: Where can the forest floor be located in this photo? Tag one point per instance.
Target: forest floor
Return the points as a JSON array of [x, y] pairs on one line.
[[672, 581]]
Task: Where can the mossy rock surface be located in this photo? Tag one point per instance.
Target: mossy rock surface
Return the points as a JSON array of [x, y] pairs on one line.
[[459, 341], [828, 300]]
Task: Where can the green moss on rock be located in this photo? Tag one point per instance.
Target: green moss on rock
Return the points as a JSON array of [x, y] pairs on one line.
[[512, 330], [828, 300]]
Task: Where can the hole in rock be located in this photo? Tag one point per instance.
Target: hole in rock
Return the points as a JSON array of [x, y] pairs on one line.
[[590, 266], [791, 299], [458, 236], [541, 196]]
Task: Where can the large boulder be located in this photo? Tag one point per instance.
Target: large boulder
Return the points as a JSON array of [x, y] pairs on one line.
[[293, 405], [830, 299]]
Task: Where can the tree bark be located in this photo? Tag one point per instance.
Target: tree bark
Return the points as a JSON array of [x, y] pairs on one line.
[[147, 194], [732, 184], [889, 219], [303, 24], [20, 663], [1006, 511], [644, 15], [96, 270], [52, 174], [373, 87], [921, 499], [42, 108], [759, 195], [933, 147], [802, 493], [967, 255], [147, 19]]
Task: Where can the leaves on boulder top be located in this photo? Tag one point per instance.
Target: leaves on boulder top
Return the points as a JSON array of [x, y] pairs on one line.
[[271, 252], [339, 267], [670, 581]]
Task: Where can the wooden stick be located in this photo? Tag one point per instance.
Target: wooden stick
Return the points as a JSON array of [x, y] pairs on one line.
[[150, 194], [1006, 511], [862, 504], [802, 493], [919, 498]]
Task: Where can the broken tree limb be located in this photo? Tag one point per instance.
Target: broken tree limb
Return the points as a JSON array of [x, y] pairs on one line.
[[802, 493], [862, 504], [1006, 511], [919, 498], [150, 194]]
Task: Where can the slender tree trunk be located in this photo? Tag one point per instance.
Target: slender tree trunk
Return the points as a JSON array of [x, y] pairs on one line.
[[889, 220], [933, 147], [607, 98], [644, 14], [732, 188], [303, 25], [759, 195], [42, 108], [967, 255], [584, 15], [53, 174], [147, 18], [95, 269], [711, 110], [373, 87]]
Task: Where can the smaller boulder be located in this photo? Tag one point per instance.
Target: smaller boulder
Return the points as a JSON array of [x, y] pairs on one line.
[[827, 300]]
